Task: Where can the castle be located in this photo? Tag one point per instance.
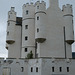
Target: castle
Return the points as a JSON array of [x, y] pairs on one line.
[[47, 33]]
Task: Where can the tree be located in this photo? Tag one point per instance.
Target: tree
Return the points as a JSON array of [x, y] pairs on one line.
[[30, 55]]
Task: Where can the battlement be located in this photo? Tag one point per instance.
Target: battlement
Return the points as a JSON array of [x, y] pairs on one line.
[[67, 9], [27, 5], [12, 9], [42, 2], [67, 6]]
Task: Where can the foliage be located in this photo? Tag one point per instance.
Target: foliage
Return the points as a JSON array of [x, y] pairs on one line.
[[30, 55]]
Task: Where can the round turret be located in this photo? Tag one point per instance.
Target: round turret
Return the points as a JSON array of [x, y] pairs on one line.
[[40, 21], [68, 18], [11, 26], [28, 30]]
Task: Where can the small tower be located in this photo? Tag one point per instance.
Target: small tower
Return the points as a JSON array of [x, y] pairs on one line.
[[28, 30], [68, 18], [13, 39], [40, 18], [11, 26]]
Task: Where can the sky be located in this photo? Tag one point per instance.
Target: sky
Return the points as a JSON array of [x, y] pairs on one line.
[[5, 6]]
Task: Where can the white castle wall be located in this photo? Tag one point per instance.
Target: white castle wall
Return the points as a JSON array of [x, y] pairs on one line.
[[44, 65]]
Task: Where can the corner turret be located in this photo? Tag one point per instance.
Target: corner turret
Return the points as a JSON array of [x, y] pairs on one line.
[[10, 39], [68, 18], [40, 18]]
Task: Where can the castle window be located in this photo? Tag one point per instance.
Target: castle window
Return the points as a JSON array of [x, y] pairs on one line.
[[60, 68], [26, 26], [26, 49], [36, 69], [26, 12], [37, 7], [26, 37], [37, 17], [37, 29], [7, 33], [9, 16], [31, 69], [52, 69], [67, 69], [8, 23], [22, 69]]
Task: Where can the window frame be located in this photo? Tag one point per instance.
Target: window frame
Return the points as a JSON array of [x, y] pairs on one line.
[[38, 17], [26, 49], [27, 12], [26, 38], [53, 69], [36, 69], [26, 26], [31, 69]]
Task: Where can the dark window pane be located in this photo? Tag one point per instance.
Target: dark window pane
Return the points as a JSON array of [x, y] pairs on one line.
[[26, 50], [36, 69], [26, 26], [31, 69], [52, 69]]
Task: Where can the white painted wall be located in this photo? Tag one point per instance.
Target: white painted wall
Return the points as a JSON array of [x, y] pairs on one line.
[[44, 66]]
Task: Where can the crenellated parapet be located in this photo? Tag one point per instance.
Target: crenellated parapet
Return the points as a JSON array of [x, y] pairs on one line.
[[40, 7], [67, 10], [28, 11]]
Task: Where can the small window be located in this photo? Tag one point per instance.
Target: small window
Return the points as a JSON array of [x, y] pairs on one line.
[[26, 12], [26, 49], [67, 69], [31, 69], [26, 38], [72, 21], [8, 23], [37, 17], [52, 69], [22, 69], [9, 16], [26, 26], [36, 69], [7, 33], [37, 7], [37, 29], [60, 68]]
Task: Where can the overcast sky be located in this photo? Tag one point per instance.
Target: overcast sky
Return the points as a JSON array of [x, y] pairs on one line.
[[5, 6]]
